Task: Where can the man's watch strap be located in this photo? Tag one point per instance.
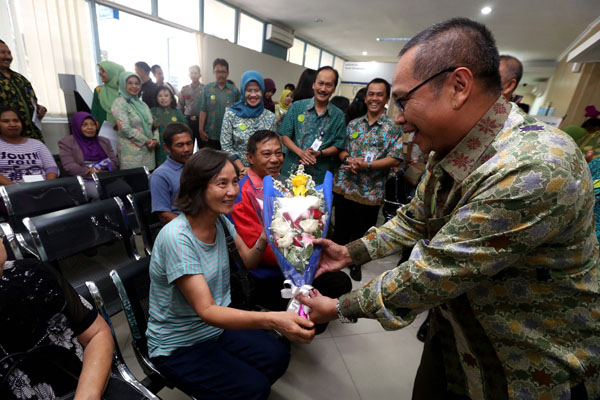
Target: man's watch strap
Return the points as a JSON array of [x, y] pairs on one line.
[[342, 318]]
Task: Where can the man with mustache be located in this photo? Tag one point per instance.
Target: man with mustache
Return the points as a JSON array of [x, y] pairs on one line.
[[164, 181], [17, 93], [313, 130]]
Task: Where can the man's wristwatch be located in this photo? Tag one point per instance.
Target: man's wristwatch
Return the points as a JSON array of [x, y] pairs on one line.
[[344, 320]]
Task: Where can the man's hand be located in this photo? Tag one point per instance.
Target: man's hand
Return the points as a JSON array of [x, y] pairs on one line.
[[151, 143], [41, 111], [293, 327], [322, 308], [354, 165], [203, 135], [307, 157], [333, 256]]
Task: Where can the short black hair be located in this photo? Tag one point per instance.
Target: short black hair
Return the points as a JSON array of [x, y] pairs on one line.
[[591, 124], [457, 42], [4, 109], [175, 128], [289, 86], [258, 137], [143, 65], [222, 62], [168, 89], [513, 67], [197, 173], [388, 88], [2, 41], [196, 67], [329, 68], [154, 68], [340, 102]]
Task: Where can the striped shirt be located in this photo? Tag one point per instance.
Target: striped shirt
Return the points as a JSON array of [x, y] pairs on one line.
[[172, 322], [31, 157]]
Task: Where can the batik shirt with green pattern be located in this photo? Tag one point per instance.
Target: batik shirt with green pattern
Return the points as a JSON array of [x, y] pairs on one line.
[[17, 93], [213, 101], [505, 255], [381, 139], [304, 125]]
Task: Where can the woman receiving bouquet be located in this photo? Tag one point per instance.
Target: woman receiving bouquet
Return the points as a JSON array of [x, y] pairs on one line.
[[206, 348]]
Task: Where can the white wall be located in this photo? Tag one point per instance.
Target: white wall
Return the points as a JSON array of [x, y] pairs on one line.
[[241, 59]]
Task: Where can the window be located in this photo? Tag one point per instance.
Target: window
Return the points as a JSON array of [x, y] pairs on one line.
[[251, 33], [140, 5], [296, 52], [326, 59], [219, 20], [339, 66], [174, 50], [311, 59], [183, 12]]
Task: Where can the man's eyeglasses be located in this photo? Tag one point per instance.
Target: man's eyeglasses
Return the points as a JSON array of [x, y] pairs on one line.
[[401, 100]]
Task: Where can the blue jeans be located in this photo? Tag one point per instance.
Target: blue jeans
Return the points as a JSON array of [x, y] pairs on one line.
[[238, 365]]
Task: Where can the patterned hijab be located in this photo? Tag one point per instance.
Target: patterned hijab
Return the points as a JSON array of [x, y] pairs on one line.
[[109, 91], [135, 102], [241, 109], [90, 147], [281, 103]]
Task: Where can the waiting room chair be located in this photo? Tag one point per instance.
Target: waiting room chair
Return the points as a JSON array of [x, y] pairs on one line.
[[122, 182], [133, 286], [93, 295], [147, 222], [13, 251], [64, 233]]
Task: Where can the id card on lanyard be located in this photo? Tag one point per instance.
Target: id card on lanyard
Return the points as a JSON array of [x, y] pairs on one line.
[[318, 141]]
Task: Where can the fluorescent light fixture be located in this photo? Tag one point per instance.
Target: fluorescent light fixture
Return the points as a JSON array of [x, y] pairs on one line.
[[393, 39], [486, 10], [364, 53]]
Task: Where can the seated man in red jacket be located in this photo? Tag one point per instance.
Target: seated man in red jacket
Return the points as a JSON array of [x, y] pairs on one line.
[[265, 154]]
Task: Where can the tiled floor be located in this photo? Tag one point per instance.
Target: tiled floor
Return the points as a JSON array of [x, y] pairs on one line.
[[353, 361]]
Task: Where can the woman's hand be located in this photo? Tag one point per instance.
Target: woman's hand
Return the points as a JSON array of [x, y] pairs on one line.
[[151, 143], [333, 256], [293, 326]]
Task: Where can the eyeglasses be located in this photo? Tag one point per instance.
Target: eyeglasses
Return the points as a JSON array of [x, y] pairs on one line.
[[399, 102]]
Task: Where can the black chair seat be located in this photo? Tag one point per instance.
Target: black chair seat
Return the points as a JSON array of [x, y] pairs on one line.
[[121, 183]]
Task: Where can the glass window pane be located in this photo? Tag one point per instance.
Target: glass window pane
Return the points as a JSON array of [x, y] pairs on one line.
[[296, 52], [140, 5], [339, 66], [183, 12], [251, 33], [326, 59], [311, 59], [174, 50], [219, 20]]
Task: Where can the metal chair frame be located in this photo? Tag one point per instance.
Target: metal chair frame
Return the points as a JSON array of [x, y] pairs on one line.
[[99, 181]]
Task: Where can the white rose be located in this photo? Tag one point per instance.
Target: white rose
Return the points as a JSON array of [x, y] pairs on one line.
[[309, 225], [280, 226], [285, 241], [315, 202]]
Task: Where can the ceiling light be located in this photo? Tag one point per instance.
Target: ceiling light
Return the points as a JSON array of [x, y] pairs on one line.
[[486, 10], [393, 39], [364, 53]]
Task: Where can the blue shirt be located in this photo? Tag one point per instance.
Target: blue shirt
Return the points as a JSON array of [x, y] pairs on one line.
[[164, 186], [172, 321]]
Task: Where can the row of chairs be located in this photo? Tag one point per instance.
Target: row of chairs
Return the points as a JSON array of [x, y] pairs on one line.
[[41, 217]]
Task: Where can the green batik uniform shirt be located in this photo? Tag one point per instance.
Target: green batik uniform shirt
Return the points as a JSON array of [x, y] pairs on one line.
[[505, 253], [213, 102], [380, 140], [17, 93], [303, 126]]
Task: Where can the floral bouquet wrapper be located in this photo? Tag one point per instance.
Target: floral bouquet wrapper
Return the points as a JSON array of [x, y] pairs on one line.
[[295, 213]]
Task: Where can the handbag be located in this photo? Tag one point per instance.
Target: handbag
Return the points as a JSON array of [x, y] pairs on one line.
[[242, 285]]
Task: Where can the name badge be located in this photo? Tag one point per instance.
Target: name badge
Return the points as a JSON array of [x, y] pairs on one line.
[[370, 156], [316, 144]]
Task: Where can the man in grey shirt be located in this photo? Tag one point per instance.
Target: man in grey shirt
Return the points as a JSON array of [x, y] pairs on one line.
[[188, 101]]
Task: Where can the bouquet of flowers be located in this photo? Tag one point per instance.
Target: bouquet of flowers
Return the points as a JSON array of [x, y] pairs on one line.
[[296, 212]]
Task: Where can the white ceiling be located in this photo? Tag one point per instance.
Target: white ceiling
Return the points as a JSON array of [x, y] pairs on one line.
[[535, 31]]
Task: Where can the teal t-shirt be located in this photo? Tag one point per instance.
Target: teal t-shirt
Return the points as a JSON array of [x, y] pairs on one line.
[[172, 322]]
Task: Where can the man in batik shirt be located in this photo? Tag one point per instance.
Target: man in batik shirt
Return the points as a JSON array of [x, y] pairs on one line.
[[373, 145], [17, 93], [501, 229]]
